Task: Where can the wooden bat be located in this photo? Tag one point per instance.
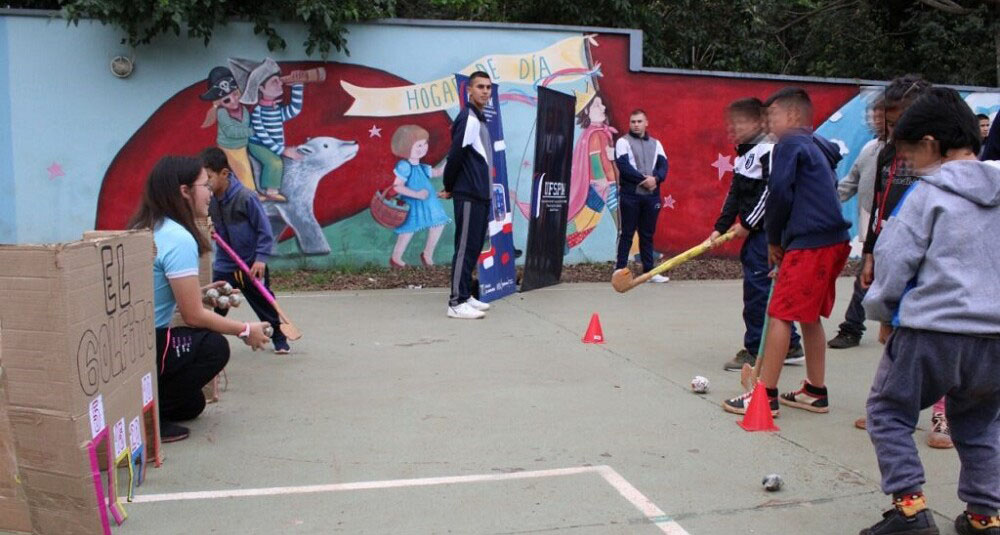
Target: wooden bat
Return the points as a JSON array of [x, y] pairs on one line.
[[287, 327], [748, 375], [622, 279]]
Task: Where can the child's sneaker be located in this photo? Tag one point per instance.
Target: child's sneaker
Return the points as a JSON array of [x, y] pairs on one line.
[[939, 436], [739, 405], [970, 524], [808, 397], [908, 516], [281, 347]]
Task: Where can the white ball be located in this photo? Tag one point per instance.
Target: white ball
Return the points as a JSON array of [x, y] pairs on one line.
[[269, 331], [235, 300], [772, 482], [212, 293], [699, 385], [227, 289], [222, 302]]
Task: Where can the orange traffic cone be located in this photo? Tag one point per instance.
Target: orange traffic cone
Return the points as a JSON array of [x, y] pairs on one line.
[[758, 416], [594, 335]]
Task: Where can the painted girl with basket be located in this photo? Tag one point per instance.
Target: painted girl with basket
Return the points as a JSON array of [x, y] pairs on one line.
[[413, 185]]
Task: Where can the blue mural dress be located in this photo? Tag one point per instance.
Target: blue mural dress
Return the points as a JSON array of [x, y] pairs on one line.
[[423, 213]]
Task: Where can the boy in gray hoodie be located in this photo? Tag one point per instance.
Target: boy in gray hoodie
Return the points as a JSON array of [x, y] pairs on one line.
[[938, 257]]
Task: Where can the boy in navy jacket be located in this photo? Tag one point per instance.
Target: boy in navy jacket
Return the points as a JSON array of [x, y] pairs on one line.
[[240, 220], [743, 213], [808, 240]]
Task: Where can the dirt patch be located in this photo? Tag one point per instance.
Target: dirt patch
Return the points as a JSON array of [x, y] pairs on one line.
[[379, 278]]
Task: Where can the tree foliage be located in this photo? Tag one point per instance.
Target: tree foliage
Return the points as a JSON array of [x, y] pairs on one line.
[[948, 41]]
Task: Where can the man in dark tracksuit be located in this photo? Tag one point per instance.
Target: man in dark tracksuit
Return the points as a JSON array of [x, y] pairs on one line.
[[743, 211], [467, 180], [642, 167]]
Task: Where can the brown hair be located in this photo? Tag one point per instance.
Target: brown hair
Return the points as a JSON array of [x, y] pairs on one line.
[[162, 197], [750, 107], [404, 138]]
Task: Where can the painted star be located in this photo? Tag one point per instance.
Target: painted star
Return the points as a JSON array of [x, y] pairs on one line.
[[375, 131], [669, 201], [55, 171], [723, 164]]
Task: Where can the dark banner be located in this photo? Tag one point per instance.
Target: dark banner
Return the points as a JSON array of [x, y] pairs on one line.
[[549, 190], [497, 274]]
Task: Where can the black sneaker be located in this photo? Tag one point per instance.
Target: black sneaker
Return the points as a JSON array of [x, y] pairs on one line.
[[739, 405], [796, 356], [171, 432], [894, 522], [741, 358], [964, 525], [808, 397], [844, 340]]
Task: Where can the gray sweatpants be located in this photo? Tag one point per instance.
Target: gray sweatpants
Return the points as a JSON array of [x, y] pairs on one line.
[[917, 369]]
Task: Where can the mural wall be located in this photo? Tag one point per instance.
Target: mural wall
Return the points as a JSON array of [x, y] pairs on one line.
[[347, 154]]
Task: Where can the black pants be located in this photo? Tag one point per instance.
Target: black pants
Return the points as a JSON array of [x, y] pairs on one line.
[[257, 301], [854, 318], [185, 365], [638, 212], [471, 220]]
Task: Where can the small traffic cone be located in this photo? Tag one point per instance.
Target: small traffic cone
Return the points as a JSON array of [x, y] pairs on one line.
[[758, 416], [594, 335]]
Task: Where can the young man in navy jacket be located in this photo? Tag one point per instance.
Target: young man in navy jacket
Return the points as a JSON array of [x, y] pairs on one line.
[[808, 240], [467, 180], [642, 167]]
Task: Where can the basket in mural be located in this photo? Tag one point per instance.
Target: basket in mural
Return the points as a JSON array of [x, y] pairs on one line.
[[387, 209]]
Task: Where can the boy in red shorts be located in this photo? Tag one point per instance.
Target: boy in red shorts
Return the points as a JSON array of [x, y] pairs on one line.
[[808, 240]]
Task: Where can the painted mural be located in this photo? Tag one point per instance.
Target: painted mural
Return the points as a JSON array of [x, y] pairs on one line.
[[347, 157]]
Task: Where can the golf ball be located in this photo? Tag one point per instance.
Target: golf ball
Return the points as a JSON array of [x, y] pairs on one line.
[[222, 302], [772, 482], [226, 289], [699, 385], [235, 300]]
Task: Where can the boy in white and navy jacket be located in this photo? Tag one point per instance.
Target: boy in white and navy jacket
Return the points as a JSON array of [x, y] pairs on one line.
[[642, 167], [743, 212]]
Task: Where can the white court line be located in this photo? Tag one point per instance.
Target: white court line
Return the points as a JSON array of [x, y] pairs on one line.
[[649, 509]]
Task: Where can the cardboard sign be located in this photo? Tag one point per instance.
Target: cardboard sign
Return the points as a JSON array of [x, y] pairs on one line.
[[74, 365]]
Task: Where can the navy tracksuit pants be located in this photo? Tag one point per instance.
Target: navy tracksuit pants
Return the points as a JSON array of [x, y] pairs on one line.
[[756, 286], [638, 212], [471, 225]]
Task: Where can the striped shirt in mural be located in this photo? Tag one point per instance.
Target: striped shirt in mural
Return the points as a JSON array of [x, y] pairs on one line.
[[268, 122]]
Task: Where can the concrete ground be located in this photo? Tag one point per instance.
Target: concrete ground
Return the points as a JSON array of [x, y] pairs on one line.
[[466, 426]]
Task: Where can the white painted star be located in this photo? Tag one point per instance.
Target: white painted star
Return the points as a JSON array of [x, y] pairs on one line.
[[374, 131], [669, 201], [723, 164]]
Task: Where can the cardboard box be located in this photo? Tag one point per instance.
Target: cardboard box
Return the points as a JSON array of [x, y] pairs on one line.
[[14, 514], [79, 356]]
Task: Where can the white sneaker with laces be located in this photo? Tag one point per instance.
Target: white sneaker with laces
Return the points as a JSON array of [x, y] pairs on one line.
[[465, 311], [477, 304], [659, 279]]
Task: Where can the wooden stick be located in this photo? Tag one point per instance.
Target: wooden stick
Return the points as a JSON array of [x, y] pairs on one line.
[[622, 279]]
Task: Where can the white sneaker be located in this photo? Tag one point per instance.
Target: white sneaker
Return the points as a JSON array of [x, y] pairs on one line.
[[465, 311], [659, 279], [477, 304]]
